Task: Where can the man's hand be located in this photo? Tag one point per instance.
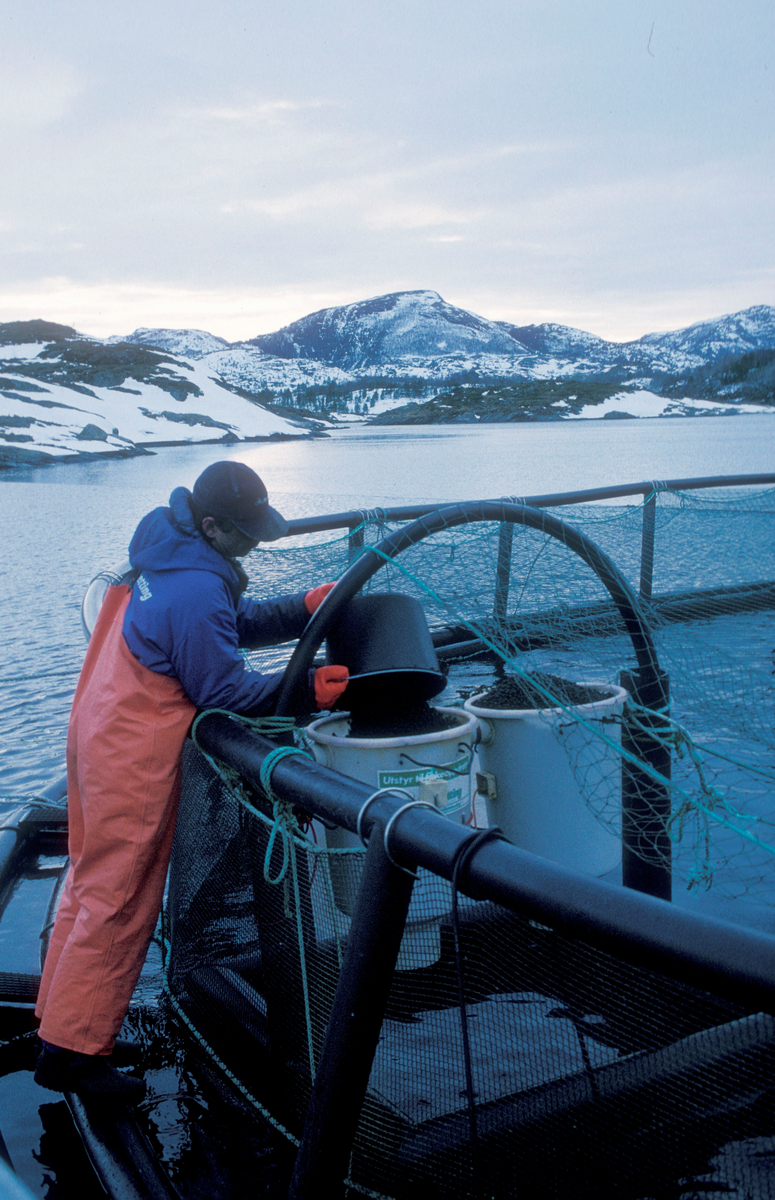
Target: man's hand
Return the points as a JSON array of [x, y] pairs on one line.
[[330, 682], [315, 598]]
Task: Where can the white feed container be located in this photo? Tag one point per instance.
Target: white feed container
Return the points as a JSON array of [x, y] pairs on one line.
[[539, 759], [433, 767], [430, 766]]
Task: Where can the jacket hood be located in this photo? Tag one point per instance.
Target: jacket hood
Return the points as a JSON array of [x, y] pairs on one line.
[[167, 540]]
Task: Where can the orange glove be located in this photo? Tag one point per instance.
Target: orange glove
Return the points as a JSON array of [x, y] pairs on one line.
[[315, 598], [330, 682]]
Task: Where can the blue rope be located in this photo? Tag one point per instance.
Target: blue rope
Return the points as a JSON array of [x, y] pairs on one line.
[[284, 821], [285, 825], [271, 761], [265, 725]]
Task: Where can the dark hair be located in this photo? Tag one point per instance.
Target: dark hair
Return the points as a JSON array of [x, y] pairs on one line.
[[223, 523]]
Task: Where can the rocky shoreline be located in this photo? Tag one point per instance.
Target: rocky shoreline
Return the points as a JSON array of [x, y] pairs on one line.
[[23, 456]]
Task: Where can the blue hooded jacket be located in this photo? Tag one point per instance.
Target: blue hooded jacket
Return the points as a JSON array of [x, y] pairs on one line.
[[186, 617]]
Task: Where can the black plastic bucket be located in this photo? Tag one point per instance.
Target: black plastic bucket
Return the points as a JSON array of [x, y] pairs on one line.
[[385, 643]]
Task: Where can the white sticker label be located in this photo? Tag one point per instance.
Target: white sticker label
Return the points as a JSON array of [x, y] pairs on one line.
[[449, 799]]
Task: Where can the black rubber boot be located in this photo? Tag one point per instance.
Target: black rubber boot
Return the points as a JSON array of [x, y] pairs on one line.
[[85, 1074]]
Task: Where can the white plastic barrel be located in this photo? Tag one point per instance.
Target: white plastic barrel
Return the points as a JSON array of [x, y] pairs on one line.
[[556, 784], [430, 766], [433, 767]]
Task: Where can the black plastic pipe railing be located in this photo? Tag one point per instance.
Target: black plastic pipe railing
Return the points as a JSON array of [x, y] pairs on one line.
[[729, 960], [355, 519], [360, 1002], [721, 958], [352, 518]]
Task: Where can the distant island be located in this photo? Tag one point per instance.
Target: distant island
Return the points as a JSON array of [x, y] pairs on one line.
[[406, 358]]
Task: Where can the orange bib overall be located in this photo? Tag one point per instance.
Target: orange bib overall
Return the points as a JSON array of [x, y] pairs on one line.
[[124, 745]]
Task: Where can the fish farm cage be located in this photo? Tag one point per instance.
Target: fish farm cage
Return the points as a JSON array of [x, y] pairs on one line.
[[386, 1002], [437, 1012]]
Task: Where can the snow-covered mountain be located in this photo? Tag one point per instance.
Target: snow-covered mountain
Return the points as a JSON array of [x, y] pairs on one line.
[[560, 341], [373, 333], [417, 336], [66, 395], [675, 353], [190, 343], [709, 341]]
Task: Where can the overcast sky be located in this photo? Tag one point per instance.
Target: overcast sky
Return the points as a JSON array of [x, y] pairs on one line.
[[233, 166]]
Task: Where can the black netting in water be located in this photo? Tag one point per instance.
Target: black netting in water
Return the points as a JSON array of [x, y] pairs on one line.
[[591, 1077]]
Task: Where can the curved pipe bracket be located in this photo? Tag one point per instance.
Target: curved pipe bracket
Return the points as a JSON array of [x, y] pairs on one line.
[[448, 518]]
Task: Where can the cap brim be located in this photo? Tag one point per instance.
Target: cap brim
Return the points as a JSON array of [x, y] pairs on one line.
[[267, 528]]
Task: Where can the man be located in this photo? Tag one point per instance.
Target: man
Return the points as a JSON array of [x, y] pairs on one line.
[[162, 647]]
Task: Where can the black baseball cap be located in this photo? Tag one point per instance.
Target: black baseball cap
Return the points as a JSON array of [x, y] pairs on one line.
[[234, 491]]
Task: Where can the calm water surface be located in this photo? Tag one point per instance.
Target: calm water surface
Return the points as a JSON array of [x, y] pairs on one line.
[[64, 523]]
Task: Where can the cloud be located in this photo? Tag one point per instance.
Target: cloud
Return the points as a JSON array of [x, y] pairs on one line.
[[360, 193], [259, 111], [419, 215], [105, 309], [236, 167], [36, 93], [382, 196]]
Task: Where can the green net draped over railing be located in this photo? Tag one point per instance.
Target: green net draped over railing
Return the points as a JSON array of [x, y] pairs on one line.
[[711, 607]]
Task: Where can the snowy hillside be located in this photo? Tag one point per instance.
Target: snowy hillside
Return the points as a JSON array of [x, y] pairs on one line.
[[245, 366], [552, 400], [708, 341], [72, 397]]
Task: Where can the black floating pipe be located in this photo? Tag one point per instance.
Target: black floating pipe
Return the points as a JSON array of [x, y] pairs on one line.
[[726, 959], [646, 802], [652, 875], [122, 1157], [20, 830], [716, 955], [354, 1026]]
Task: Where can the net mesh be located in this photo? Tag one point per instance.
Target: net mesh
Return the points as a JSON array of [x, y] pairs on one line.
[[591, 1077], [712, 611]]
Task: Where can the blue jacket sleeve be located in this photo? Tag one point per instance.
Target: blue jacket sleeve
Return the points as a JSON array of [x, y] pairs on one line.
[[267, 622], [205, 657]]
